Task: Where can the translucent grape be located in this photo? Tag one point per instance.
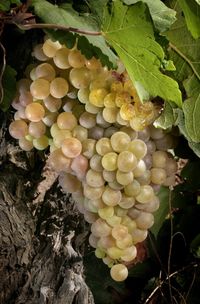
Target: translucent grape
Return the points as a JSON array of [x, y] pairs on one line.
[[76, 59], [109, 176], [66, 120], [158, 176], [138, 148], [45, 71], [126, 202], [41, 143], [95, 163], [87, 120], [71, 147], [132, 189], [124, 178], [97, 96], [52, 104], [61, 58], [80, 78], [114, 252], [37, 129], [110, 114], [120, 141], [79, 166], [25, 144], [38, 53], [83, 95], [93, 63], [159, 159], [114, 220], [106, 212], [59, 87], [94, 178], [111, 197], [80, 133], [69, 182], [145, 220], [119, 232], [126, 161], [146, 194], [96, 132], [109, 161], [103, 146], [125, 242], [40, 88], [129, 254], [127, 111], [18, 129], [50, 47], [139, 235], [139, 169], [59, 162], [25, 98], [88, 147], [100, 228], [93, 193], [109, 100]]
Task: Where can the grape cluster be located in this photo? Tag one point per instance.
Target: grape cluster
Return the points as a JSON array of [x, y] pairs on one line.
[[102, 143]]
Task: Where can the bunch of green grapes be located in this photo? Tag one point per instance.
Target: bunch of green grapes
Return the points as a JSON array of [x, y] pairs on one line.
[[102, 143]]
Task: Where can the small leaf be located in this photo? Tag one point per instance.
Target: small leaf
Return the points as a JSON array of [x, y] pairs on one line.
[[5, 6], [162, 212], [191, 12], [191, 108], [9, 87], [168, 117], [50, 13], [163, 16], [133, 39]]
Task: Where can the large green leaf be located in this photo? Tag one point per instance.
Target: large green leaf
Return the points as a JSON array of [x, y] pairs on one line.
[[163, 16], [192, 16], [129, 30], [168, 117], [9, 87], [191, 108], [50, 13]]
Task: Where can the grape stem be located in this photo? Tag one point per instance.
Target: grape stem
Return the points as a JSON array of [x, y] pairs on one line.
[[57, 27]]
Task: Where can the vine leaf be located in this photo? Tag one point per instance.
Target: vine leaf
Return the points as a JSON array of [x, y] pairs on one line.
[[133, 39], [9, 87], [60, 16], [163, 16], [168, 117], [191, 11], [191, 108]]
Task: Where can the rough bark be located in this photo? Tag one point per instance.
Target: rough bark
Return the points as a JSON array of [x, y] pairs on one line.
[[42, 236]]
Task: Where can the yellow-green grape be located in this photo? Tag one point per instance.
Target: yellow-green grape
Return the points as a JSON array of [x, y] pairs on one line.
[[52, 104], [92, 192], [37, 129], [127, 111], [80, 133], [54, 130], [50, 118], [96, 132], [132, 189], [138, 148], [60, 136], [80, 78], [25, 144], [109, 161], [139, 235], [45, 71], [126, 202], [61, 58], [87, 120], [41, 143], [79, 166], [83, 95], [106, 241], [69, 182], [158, 176], [124, 178], [114, 220], [119, 232], [40, 88], [117, 86], [129, 254], [38, 53], [144, 135], [100, 228], [151, 207], [95, 163], [126, 161], [114, 252], [59, 162], [146, 194], [76, 59], [90, 217], [66, 120], [145, 220], [120, 141], [110, 114], [18, 129], [111, 197], [59, 87], [97, 204], [97, 96], [103, 146], [106, 212], [120, 211], [122, 98], [71, 147], [109, 176], [137, 123], [93, 240], [32, 74], [120, 120], [160, 159], [128, 130], [129, 223], [89, 207], [94, 178], [34, 112], [115, 185], [25, 98], [139, 169], [93, 63], [125, 242], [50, 48], [88, 147], [109, 100], [145, 179], [100, 254], [91, 108]]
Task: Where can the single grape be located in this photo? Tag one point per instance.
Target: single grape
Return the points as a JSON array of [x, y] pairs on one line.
[[37, 129], [66, 120], [52, 104], [129, 254], [111, 197], [110, 114], [96, 97], [127, 161], [69, 182], [126, 202], [120, 141], [106, 212], [45, 71], [100, 228], [138, 148], [109, 161], [38, 53], [80, 133], [103, 146], [94, 178], [25, 144], [87, 120], [50, 48], [146, 194], [158, 176], [132, 189], [76, 59], [92, 192], [88, 147], [59, 87], [59, 162], [40, 88], [18, 129], [119, 272], [71, 147], [61, 58], [80, 78]]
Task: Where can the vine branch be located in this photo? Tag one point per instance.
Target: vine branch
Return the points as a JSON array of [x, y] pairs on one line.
[[173, 47], [56, 27]]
